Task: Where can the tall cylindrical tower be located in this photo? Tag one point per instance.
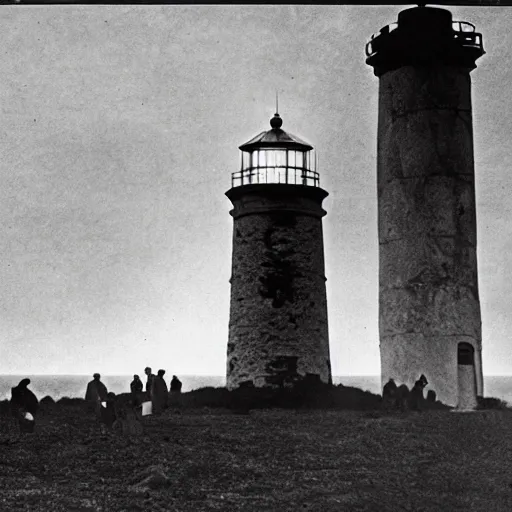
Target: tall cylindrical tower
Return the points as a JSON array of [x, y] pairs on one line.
[[278, 315], [429, 310]]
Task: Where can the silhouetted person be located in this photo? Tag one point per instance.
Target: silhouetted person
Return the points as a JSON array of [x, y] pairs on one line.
[[96, 392], [136, 388], [389, 394], [431, 396], [402, 397], [108, 411], [175, 391], [136, 385], [149, 382], [23, 401], [175, 384], [417, 393], [159, 393]]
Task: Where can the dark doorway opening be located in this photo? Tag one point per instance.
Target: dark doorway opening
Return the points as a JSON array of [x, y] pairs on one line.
[[466, 376], [466, 354]]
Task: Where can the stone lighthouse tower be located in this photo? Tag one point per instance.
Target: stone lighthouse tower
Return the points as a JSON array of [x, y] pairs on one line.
[[278, 315], [429, 309]]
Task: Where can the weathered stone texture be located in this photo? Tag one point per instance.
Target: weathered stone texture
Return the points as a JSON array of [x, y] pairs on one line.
[[437, 206], [408, 262], [428, 287], [429, 310], [278, 312]]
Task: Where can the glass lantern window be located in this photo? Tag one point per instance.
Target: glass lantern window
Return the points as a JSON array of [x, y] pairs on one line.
[[246, 160], [277, 165], [299, 159]]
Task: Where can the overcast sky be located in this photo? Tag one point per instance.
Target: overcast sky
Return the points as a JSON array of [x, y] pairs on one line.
[[120, 128]]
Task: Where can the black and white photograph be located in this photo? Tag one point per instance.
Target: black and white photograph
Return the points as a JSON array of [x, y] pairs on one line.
[[254, 257]]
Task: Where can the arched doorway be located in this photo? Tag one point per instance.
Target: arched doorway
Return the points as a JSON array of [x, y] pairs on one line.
[[466, 376]]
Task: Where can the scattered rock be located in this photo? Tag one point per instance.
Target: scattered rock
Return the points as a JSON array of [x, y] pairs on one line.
[[155, 480]]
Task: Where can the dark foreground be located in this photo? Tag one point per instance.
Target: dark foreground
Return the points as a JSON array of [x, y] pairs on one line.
[[270, 460]]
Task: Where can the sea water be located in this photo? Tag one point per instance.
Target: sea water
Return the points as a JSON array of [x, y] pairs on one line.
[[72, 386]]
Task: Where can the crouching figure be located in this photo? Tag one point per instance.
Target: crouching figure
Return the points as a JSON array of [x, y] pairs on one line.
[[24, 406]]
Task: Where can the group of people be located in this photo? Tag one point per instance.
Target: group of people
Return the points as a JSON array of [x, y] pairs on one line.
[[24, 403], [156, 391], [401, 398]]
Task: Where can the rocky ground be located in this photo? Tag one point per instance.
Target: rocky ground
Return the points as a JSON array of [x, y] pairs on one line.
[[195, 460]]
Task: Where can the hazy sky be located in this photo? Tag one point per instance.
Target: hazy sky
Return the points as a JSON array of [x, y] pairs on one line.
[[120, 128]]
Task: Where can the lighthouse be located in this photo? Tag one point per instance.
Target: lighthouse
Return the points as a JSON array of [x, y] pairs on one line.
[[278, 332], [429, 308]]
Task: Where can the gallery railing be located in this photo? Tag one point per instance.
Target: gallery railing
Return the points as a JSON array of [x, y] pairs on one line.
[[463, 32], [272, 175]]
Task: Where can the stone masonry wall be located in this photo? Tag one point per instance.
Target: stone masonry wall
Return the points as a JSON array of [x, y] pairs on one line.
[[278, 318], [428, 285]]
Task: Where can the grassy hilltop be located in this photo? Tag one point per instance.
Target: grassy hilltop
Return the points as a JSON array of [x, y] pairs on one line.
[[194, 458]]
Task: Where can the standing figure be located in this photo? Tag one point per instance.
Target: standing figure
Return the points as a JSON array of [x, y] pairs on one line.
[[389, 395], [402, 397], [136, 388], [149, 382], [416, 397], [96, 393], [159, 393], [175, 385], [24, 405], [175, 395]]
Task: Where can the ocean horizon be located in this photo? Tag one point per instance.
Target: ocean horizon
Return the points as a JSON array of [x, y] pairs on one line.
[[73, 386]]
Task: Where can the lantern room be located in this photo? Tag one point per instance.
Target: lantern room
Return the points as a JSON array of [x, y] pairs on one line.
[[423, 35], [276, 157]]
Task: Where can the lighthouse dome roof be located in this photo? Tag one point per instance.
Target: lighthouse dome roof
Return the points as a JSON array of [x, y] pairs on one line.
[[276, 137]]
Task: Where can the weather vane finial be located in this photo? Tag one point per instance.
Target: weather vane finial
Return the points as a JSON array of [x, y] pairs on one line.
[[276, 122]]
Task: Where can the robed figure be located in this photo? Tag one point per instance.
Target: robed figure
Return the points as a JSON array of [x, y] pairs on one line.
[[159, 393], [136, 387], [96, 393]]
